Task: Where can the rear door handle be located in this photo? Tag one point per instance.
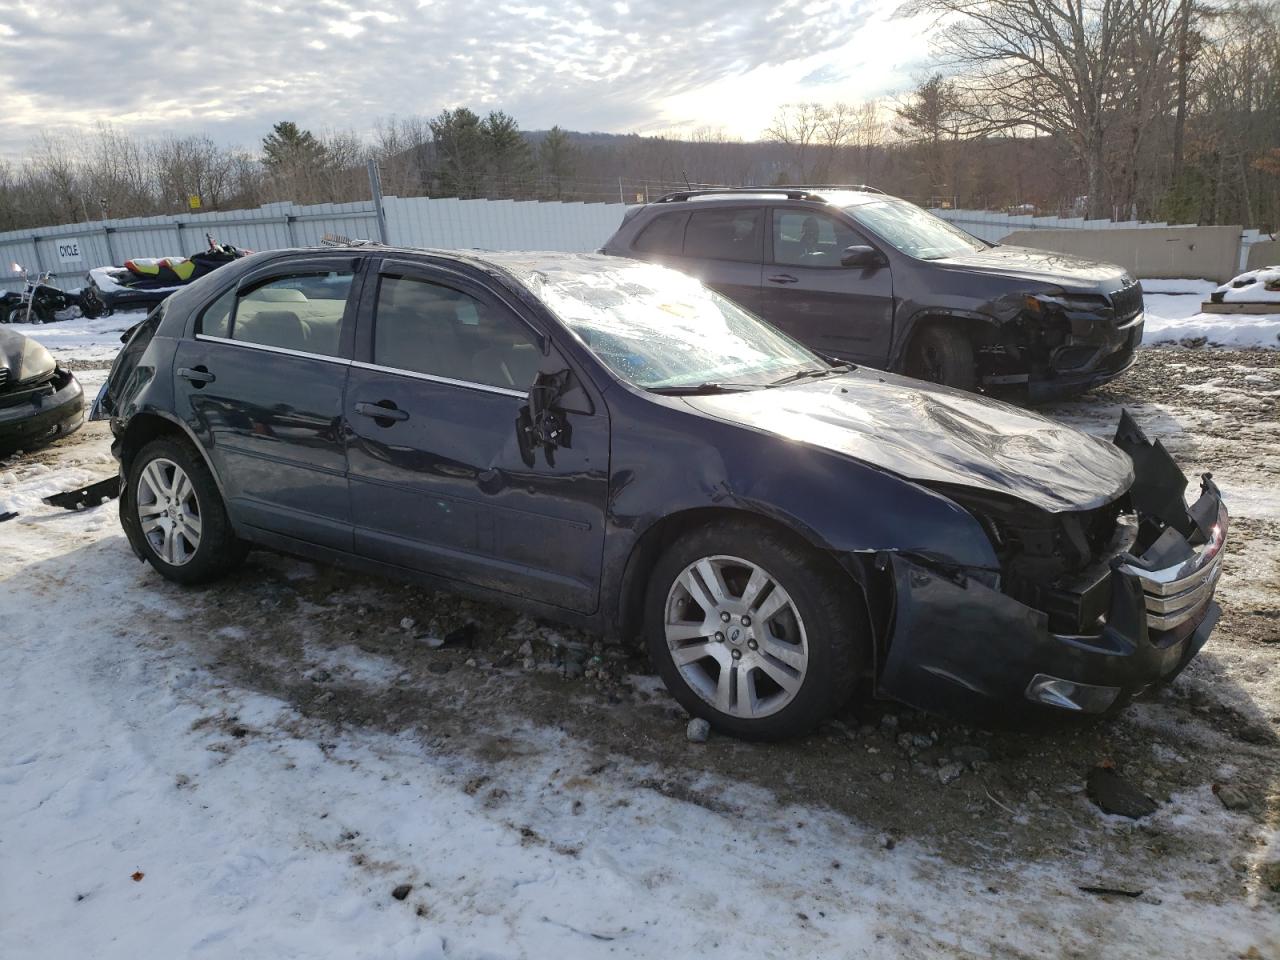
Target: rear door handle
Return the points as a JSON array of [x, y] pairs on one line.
[[783, 278], [199, 376], [382, 410]]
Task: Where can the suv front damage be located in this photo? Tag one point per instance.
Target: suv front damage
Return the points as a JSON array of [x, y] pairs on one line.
[[1058, 344], [1088, 609]]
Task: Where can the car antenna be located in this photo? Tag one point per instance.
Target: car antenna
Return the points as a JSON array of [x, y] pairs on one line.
[[686, 179]]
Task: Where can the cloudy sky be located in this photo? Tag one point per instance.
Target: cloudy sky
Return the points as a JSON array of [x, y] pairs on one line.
[[230, 68]]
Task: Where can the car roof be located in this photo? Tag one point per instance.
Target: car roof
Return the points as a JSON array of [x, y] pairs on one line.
[[512, 265]]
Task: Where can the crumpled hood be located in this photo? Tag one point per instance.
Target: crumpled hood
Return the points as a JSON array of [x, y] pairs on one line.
[[1059, 269], [23, 358], [936, 435]]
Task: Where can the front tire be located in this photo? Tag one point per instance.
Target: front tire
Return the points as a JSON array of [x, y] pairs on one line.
[[754, 631], [943, 355], [178, 513]]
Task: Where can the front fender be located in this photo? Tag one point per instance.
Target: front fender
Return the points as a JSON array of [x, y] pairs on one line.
[[675, 460]]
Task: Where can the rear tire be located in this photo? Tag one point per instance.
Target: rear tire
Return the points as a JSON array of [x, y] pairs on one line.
[[793, 631], [942, 355], [176, 508]]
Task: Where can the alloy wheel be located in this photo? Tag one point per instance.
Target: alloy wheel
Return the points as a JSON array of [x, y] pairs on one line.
[[736, 636], [168, 511]]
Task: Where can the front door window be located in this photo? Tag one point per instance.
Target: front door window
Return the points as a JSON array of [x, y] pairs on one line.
[[432, 329]]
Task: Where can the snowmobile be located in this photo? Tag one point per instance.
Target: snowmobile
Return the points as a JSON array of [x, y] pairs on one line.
[[142, 283], [39, 301]]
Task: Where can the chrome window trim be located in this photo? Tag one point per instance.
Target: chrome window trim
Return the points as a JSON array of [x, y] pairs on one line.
[[267, 348], [447, 381]]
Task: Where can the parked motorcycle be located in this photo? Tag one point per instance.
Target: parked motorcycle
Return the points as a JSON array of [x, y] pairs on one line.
[[39, 301], [142, 283]]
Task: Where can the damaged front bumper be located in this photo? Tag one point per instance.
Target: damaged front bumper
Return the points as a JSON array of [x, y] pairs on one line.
[[38, 415], [1064, 346], [961, 646]]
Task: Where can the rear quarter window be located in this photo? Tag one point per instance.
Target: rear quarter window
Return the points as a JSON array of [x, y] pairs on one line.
[[215, 321], [663, 235]]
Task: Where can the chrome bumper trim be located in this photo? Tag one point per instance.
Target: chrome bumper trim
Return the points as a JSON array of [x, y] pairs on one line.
[[1176, 594]]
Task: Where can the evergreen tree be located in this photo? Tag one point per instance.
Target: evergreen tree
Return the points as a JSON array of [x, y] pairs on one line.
[[288, 146], [557, 156], [507, 153], [460, 144]]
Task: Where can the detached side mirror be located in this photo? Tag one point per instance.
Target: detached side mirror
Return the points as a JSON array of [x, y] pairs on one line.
[[541, 422], [861, 255]]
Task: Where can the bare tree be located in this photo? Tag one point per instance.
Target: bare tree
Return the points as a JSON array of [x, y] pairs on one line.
[[798, 126], [1049, 66]]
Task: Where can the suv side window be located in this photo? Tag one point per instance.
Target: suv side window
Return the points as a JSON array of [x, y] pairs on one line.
[[424, 327], [805, 239], [724, 234], [300, 311], [664, 235]]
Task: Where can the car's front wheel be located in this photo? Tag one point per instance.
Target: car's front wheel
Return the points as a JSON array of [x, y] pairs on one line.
[[178, 511], [942, 355], [754, 631]]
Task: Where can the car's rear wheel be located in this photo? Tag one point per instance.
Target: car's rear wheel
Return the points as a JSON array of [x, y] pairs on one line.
[[942, 355], [754, 631], [177, 509]]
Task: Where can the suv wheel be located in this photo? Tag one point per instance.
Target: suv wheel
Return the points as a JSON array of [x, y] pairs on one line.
[[942, 355], [753, 632], [176, 507]]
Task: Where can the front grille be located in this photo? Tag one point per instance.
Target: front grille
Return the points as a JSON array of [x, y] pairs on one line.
[[1127, 302], [4, 377]]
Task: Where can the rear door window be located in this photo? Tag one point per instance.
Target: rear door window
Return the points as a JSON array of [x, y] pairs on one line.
[[725, 234], [300, 311]]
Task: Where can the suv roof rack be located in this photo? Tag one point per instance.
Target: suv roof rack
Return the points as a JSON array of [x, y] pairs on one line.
[[791, 192]]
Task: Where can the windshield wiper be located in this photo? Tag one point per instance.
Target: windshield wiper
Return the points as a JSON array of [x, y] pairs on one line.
[[692, 389], [804, 374]]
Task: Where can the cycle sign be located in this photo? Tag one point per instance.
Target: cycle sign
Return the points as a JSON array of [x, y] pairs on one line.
[[69, 251]]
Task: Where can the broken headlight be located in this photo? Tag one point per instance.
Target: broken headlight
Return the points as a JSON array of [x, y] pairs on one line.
[[36, 363], [1044, 304]]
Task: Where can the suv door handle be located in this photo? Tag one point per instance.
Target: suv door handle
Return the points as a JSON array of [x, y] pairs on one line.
[[199, 376], [382, 410], [783, 278]]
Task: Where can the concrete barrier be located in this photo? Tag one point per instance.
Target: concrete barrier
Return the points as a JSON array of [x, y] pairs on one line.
[[1158, 252], [1264, 253]]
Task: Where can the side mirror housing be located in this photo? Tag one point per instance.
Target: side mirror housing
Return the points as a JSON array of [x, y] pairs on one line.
[[861, 255]]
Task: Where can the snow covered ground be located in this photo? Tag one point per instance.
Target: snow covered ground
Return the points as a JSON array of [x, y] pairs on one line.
[[262, 768], [1174, 316], [81, 339]]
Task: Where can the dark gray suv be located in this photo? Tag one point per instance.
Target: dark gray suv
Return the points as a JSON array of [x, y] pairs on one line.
[[861, 276]]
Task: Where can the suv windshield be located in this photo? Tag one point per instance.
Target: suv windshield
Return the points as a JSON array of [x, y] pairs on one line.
[[914, 231], [660, 329]]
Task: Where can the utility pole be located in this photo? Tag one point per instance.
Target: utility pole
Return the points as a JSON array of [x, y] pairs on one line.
[[375, 188]]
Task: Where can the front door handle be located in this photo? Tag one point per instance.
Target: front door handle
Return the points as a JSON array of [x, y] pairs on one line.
[[384, 412], [199, 376], [783, 278]]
